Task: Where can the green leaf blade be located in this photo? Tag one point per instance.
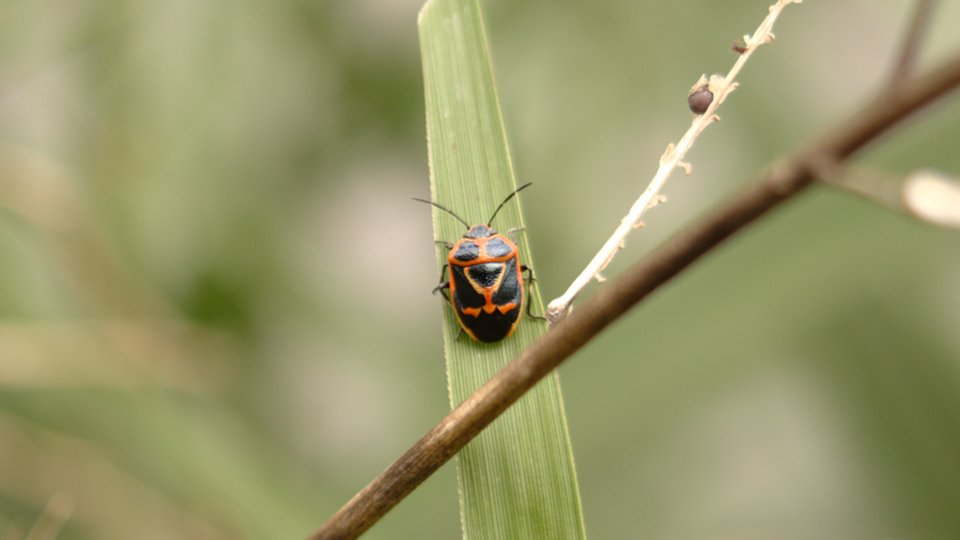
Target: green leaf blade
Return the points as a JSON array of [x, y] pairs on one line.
[[517, 478]]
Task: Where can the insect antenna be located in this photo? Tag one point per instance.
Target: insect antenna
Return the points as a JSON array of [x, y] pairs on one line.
[[510, 196], [447, 210]]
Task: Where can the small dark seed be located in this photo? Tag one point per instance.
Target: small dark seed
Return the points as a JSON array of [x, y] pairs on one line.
[[699, 100], [738, 47]]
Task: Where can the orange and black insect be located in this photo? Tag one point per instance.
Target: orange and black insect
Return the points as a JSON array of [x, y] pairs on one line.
[[485, 279]]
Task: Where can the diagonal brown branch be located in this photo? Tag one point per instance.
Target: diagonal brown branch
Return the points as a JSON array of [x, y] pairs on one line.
[[912, 41], [784, 180]]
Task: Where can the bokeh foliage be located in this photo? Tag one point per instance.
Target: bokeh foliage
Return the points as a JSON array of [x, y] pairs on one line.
[[214, 308]]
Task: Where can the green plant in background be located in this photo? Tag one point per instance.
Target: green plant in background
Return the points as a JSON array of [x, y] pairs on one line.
[[215, 318]]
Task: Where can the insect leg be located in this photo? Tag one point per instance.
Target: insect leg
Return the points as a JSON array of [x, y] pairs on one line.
[[512, 233], [444, 285], [531, 279]]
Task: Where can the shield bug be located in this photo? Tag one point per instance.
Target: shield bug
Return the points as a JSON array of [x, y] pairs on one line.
[[485, 279]]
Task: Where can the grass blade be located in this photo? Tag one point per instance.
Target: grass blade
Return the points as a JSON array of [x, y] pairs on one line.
[[517, 478]]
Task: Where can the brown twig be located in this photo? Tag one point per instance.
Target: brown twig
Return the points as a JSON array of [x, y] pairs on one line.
[[912, 41], [780, 183]]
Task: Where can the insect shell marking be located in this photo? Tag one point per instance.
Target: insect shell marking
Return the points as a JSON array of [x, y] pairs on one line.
[[486, 284]]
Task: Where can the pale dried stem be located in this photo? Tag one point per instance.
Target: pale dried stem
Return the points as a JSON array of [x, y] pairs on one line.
[[669, 161], [927, 195]]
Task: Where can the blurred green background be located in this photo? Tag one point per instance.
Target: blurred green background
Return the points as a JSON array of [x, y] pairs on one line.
[[215, 319]]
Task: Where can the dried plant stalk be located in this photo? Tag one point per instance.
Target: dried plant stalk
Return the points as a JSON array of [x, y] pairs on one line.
[[672, 158]]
